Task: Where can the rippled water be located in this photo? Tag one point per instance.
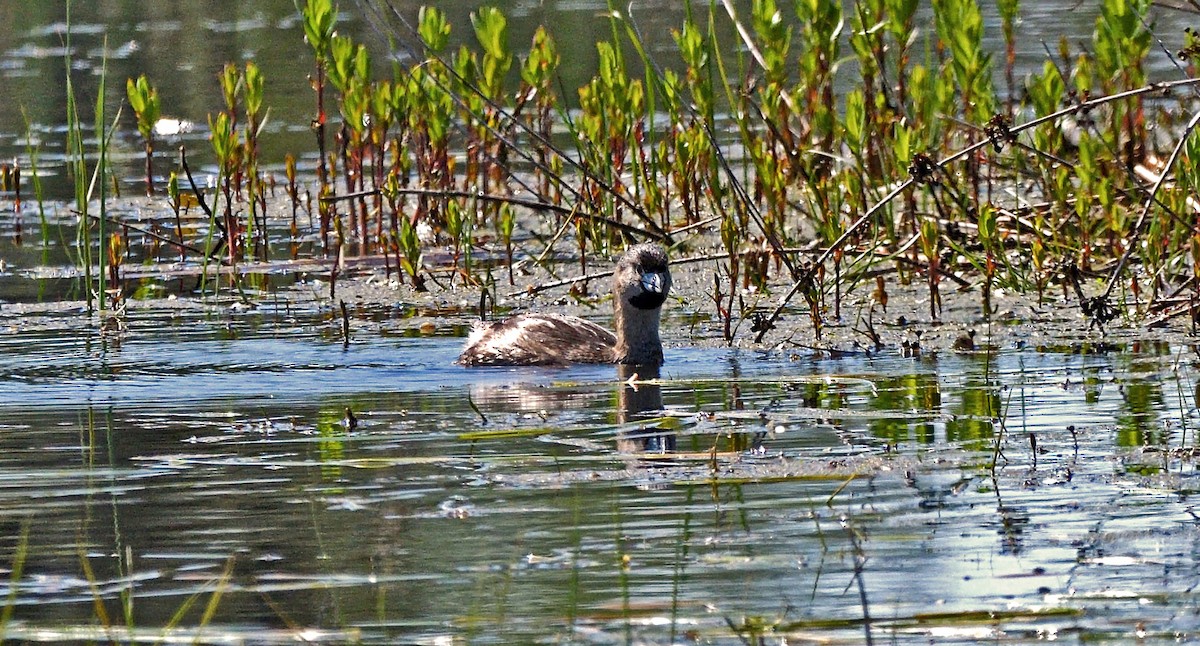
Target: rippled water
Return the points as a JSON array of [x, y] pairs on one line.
[[526, 505]]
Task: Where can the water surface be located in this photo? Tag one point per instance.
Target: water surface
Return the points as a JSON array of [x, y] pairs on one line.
[[503, 505]]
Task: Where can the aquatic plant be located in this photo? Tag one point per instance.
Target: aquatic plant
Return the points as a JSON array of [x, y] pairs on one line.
[[1122, 42], [1010, 12], [88, 185], [901, 178], [319, 19], [537, 77], [491, 31], [224, 141], [32, 149], [252, 82], [147, 107], [20, 555], [409, 249], [77, 167]]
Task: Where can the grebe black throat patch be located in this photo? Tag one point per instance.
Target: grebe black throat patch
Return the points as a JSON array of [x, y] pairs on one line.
[[648, 300], [655, 285]]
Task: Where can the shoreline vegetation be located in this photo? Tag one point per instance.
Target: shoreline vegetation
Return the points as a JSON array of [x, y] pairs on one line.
[[785, 194]]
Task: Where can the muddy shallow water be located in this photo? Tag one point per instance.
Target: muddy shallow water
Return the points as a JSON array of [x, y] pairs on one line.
[[229, 469], [774, 492]]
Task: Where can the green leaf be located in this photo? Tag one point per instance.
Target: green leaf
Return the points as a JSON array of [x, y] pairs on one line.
[[319, 19], [491, 29], [433, 28], [254, 88]]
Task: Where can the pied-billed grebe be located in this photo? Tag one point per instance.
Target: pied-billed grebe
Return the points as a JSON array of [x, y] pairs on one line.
[[640, 286], [965, 342]]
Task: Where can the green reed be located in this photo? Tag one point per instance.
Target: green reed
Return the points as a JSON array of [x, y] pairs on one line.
[[90, 184], [253, 83], [77, 168], [16, 569], [32, 150], [109, 262]]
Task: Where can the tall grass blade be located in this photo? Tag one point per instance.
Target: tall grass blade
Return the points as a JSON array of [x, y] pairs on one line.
[[99, 173], [77, 168], [14, 578]]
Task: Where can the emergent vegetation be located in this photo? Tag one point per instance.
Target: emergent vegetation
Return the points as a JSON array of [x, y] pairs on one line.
[[833, 153]]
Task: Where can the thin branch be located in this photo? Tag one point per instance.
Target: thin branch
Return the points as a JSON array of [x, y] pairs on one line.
[[505, 199], [179, 244]]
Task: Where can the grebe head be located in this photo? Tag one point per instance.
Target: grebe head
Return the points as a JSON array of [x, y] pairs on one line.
[[642, 279], [640, 287]]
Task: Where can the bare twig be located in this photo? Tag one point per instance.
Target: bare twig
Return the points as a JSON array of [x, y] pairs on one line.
[[178, 244], [506, 199], [192, 182]]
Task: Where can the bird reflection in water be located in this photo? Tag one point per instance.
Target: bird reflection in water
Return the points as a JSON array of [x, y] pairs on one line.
[[638, 400]]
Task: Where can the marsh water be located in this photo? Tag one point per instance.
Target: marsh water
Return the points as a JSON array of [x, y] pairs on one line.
[[202, 470], [758, 493]]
